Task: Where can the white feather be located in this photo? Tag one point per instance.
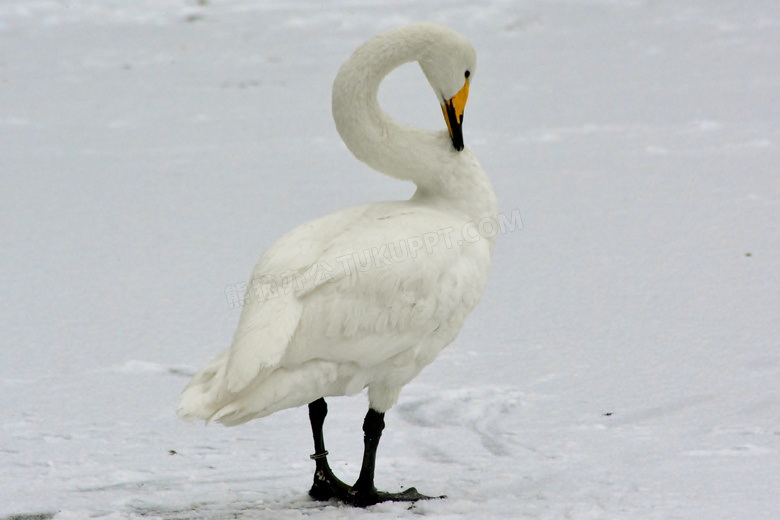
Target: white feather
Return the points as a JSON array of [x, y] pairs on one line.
[[367, 296]]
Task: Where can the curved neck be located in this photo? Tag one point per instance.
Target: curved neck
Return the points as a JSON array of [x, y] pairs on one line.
[[371, 135], [441, 173]]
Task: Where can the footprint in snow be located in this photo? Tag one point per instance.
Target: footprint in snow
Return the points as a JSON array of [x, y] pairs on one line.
[[484, 411]]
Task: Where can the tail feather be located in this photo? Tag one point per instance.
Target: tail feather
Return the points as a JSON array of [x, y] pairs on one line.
[[207, 398], [201, 396]]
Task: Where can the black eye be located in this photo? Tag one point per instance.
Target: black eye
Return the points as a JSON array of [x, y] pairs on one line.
[[468, 74]]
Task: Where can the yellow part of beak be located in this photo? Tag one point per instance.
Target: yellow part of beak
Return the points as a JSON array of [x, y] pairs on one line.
[[453, 115]]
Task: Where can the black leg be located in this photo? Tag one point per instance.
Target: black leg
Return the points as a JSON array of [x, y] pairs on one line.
[[318, 410], [364, 492], [373, 425], [326, 485]]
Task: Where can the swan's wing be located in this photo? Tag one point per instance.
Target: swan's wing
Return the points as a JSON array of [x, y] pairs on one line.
[[358, 286], [391, 281], [268, 319], [373, 271], [273, 306]]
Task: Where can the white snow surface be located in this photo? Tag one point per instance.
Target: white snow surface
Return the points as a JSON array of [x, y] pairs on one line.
[[624, 363]]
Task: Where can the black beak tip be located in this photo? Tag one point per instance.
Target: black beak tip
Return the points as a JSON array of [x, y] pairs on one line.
[[457, 137], [455, 125]]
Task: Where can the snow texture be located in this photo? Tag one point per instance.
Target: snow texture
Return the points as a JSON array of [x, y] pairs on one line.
[[624, 364]]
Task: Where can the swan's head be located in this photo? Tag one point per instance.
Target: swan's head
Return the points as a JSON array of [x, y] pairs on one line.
[[449, 63]]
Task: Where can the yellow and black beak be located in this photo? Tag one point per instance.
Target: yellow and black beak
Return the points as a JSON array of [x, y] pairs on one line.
[[453, 114]]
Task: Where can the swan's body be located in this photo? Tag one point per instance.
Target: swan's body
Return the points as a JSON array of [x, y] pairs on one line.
[[369, 295]]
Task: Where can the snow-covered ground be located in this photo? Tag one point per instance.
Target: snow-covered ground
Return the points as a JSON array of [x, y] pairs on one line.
[[624, 364]]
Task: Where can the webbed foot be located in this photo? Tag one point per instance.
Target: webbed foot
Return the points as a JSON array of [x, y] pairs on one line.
[[360, 498]]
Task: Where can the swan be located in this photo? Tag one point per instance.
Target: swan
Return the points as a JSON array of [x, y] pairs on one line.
[[367, 296]]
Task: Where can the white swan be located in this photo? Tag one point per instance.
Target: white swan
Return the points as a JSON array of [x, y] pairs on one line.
[[369, 295]]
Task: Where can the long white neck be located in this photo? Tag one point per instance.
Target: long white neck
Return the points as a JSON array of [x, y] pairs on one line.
[[443, 175]]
